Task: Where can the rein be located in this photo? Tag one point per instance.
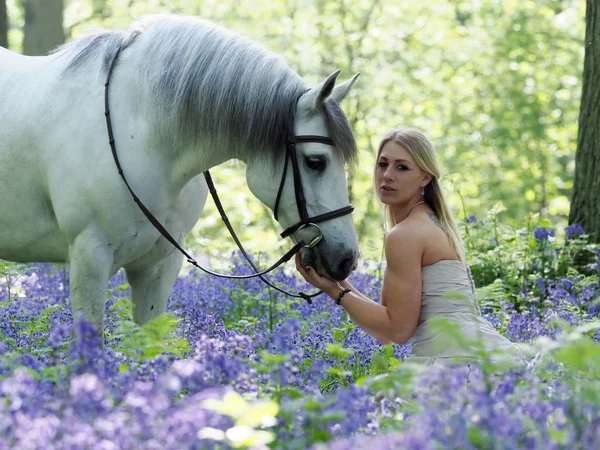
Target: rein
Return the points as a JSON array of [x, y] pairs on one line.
[[305, 220]]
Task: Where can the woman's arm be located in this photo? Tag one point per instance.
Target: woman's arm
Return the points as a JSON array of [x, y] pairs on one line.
[[384, 340], [396, 318]]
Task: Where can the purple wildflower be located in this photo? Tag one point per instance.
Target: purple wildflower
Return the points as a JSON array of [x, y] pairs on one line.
[[573, 231], [543, 234]]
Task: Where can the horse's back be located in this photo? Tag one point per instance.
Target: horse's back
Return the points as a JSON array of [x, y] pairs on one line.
[[25, 83]]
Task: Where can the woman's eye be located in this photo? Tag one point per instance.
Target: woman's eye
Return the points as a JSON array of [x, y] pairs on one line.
[[382, 165], [316, 163], [401, 167]]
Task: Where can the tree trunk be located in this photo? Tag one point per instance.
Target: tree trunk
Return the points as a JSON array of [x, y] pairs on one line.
[[3, 25], [585, 205], [43, 28]]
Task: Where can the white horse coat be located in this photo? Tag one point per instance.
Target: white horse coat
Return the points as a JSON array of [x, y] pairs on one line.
[[186, 95]]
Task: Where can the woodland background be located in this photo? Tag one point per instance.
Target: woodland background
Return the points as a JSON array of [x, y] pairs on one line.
[[509, 92], [495, 84]]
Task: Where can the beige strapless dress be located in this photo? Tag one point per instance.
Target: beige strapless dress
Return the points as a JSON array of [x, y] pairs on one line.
[[449, 292]]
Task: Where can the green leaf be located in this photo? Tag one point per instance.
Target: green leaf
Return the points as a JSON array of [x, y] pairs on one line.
[[477, 438], [338, 351], [338, 334], [340, 373]]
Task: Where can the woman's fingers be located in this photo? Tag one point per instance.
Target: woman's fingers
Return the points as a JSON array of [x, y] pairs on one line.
[[309, 274], [299, 263], [299, 266]]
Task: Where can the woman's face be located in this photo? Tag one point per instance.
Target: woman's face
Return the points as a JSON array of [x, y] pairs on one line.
[[397, 177]]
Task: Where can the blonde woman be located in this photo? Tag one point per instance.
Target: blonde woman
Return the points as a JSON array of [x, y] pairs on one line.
[[425, 261]]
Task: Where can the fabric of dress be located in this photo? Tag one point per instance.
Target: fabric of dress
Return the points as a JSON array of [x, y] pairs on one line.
[[449, 292]]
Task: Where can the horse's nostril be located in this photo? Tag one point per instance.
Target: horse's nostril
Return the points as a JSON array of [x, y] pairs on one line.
[[340, 265], [346, 266]]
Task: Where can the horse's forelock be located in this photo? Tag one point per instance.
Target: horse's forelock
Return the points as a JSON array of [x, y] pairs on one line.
[[340, 131]]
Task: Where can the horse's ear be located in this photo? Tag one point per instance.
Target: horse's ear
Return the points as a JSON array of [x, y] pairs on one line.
[[340, 91], [317, 95]]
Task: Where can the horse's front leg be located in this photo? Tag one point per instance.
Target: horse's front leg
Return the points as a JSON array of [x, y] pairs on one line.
[[151, 286], [91, 259]]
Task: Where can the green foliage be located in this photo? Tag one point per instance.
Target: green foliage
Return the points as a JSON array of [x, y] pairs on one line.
[[10, 271], [513, 262], [492, 83], [497, 251], [32, 329], [252, 309], [36, 328], [247, 417], [495, 84], [141, 343], [315, 415], [382, 361], [33, 332], [338, 373]]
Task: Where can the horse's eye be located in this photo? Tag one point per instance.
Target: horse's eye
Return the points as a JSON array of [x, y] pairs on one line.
[[316, 163]]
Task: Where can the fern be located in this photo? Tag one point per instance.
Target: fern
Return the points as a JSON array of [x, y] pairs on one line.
[[141, 343]]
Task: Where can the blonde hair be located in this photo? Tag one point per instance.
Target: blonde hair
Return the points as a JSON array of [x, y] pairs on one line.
[[422, 151]]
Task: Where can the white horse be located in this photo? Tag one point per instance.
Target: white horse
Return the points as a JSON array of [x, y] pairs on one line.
[[186, 95]]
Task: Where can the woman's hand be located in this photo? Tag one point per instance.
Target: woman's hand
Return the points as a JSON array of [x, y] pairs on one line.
[[312, 277]]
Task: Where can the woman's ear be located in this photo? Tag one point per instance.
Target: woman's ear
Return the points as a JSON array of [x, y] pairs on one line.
[[426, 179]]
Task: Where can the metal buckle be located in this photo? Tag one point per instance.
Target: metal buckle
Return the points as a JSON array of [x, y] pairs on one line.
[[314, 241]]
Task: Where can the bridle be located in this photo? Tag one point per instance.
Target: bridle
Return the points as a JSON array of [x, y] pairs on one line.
[[305, 220]]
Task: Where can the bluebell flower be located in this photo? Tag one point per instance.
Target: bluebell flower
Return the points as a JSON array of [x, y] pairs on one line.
[[103, 400], [543, 234], [573, 231]]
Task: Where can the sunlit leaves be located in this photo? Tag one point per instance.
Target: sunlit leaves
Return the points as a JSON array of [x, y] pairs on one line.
[[495, 84]]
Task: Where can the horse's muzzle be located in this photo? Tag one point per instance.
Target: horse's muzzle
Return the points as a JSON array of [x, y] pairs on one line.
[[336, 263]]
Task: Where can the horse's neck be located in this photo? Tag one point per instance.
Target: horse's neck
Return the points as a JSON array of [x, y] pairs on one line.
[[194, 160], [181, 159]]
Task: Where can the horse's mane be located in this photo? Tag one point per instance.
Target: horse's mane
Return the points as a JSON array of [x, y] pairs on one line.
[[212, 84]]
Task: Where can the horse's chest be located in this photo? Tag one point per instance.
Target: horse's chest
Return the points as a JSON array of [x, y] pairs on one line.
[[135, 242]]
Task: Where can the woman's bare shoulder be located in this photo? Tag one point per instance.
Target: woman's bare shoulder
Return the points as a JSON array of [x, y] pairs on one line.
[[410, 227], [436, 241], [418, 225], [409, 232], [421, 230], [404, 246]]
